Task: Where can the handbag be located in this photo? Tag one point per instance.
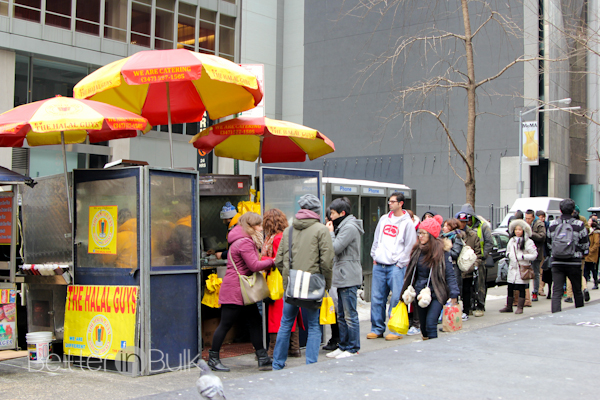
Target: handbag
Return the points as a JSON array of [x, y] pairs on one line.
[[327, 315], [254, 287], [526, 272], [452, 319], [466, 259], [502, 275], [275, 284], [303, 288], [399, 320]]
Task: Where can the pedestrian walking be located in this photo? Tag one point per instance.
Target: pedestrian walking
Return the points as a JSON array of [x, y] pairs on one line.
[[312, 251], [345, 231], [394, 238], [521, 252], [431, 274], [569, 244]]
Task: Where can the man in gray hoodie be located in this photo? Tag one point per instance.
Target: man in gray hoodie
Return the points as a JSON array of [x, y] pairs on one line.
[[345, 232]]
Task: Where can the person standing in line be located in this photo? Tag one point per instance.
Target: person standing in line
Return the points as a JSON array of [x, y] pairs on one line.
[[312, 251], [472, 240], [591, 265], [538, 235], [546, 277], [521, 253], [573, 245], [394, 238], [345, 232]]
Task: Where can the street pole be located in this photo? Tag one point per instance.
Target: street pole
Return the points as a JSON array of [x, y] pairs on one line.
[[520, 185]]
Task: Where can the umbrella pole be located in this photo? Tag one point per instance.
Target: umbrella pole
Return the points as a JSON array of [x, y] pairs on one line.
[[258, 162], [169, 121], [64, 152]]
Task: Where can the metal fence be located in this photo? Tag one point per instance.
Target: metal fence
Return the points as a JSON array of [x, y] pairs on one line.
[[492, 213]]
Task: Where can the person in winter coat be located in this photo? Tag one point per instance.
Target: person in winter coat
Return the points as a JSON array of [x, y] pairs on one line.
[[591, 259], [345, 231], [274, 222], [451, 231], [471, 240], [538, 235], [484, 233], [431, 274], [521, 251], [312, 251], [244, 241], [394, 238]]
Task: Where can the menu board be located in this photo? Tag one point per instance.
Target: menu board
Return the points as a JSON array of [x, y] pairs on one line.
[[8, 318]]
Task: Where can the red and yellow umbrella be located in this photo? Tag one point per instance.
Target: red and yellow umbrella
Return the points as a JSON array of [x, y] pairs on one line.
[[274, 141], [173, 86]]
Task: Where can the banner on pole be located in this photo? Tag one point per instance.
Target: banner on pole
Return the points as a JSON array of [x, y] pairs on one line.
[[530, 142]]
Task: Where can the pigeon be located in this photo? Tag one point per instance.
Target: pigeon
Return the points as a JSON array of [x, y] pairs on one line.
[[209, 385]]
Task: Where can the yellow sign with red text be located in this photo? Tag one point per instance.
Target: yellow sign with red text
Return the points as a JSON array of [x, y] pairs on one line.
[[103, 230], [99, 320]]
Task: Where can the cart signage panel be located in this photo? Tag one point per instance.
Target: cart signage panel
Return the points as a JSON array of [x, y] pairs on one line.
[[100, 320], [103, 230], [5, 219], [8, 316]]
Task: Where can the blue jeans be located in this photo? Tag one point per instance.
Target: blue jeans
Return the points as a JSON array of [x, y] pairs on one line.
[[385, 278], [429, 318], [347, 319], [310, 317]]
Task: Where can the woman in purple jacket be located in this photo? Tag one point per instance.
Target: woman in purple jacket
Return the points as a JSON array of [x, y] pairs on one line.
[[244, 241]]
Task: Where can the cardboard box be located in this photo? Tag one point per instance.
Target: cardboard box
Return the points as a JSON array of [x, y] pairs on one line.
[[209, 327]]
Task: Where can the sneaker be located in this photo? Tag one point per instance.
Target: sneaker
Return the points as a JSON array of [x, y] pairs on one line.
[[392, 336], [331, 345], [568, 300], [346, 354], [334, 353], [413, 331], [586, 295], [372, 335], [478, 313], [534, 297], [465, 317], [595, 287]]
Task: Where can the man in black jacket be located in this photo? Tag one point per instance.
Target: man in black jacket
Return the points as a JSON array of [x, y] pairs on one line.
[[568, 267], [538, 235]]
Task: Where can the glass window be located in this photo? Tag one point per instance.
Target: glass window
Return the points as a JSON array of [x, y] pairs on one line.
[[58, 13], [115, 20], [229, 1], [186, 27], [207, 15], [51, 78], [28, 9], [227, 21], [163, 29], [166, 4], [4, 7], [88, 17], [21, 79], [206, 31], [140, 24], [226, 41]]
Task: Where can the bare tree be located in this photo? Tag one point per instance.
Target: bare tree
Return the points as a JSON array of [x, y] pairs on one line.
[[449, 59]]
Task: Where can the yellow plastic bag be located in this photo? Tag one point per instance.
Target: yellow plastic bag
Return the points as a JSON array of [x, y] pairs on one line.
[[211, 291], [398, 322], [275, 284], [327, 310]]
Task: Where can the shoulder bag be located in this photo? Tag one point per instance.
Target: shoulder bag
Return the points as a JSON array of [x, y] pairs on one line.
[[303, 288], [254, 287]]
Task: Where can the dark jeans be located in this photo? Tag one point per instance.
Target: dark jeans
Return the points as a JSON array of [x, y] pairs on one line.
[[559, 275], [429, 318], [466, 294], [591, 267], [230, 313], [517, 286]]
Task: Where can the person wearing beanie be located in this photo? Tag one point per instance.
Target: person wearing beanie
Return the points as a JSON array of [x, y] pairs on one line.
[[431, 274], [312, 251], [229, 216], [472, 240], [394, 238]]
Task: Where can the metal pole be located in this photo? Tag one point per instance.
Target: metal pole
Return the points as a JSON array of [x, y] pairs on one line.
[[520, 184], [64, 152], [169, 122]]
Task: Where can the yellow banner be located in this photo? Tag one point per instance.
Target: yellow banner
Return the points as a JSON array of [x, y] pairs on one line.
[[102, 237], [99, 320]]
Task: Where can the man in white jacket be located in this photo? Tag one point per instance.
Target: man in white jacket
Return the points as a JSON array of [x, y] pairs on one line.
[[394, 238]]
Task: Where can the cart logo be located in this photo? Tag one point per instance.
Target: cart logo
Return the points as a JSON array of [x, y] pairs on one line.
[[64, 109], [99, 335], [390, 230], [102, 228]]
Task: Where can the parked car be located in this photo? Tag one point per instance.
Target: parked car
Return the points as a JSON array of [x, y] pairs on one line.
[[550, 205], [500, 238]]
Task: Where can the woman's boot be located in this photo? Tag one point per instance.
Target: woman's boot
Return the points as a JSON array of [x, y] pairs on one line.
[[520, 305], [509, 305], [272, 341], [264, 361], [294, 350], [214, 362]]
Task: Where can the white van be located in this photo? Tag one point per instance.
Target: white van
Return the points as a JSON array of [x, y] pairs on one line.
[[550, 205]]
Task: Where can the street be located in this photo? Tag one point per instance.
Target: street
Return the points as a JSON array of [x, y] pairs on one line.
[[498, 356]]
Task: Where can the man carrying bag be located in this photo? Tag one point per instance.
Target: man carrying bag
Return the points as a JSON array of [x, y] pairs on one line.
[[311, 252]]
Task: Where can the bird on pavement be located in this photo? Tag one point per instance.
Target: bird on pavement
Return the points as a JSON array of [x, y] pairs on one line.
[[209, 385]]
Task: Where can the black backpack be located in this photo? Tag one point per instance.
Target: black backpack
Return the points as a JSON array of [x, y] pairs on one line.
[[563, 242]]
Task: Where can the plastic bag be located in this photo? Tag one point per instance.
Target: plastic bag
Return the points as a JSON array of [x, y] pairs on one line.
[[211, 291], [398, 322], [327, 310], [275, 284], [502, 275], [452, 319]]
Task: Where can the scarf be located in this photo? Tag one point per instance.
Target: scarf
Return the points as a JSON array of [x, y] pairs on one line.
[[336, 222], [267, 247]]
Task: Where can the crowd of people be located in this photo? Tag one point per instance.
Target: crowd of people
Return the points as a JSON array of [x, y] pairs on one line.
[[426, 263]]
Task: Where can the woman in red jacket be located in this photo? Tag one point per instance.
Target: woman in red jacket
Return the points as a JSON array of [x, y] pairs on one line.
[[244, 241]]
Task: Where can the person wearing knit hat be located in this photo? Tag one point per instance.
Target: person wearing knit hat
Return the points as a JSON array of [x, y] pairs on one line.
[[228, 214], [310, 202], [431, 274]]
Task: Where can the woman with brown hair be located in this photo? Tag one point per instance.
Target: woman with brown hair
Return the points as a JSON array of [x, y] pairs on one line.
[[431, 274], [244, 241], [274, 223]]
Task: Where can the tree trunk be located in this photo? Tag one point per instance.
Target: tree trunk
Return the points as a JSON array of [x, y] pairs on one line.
[[472, 110]]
